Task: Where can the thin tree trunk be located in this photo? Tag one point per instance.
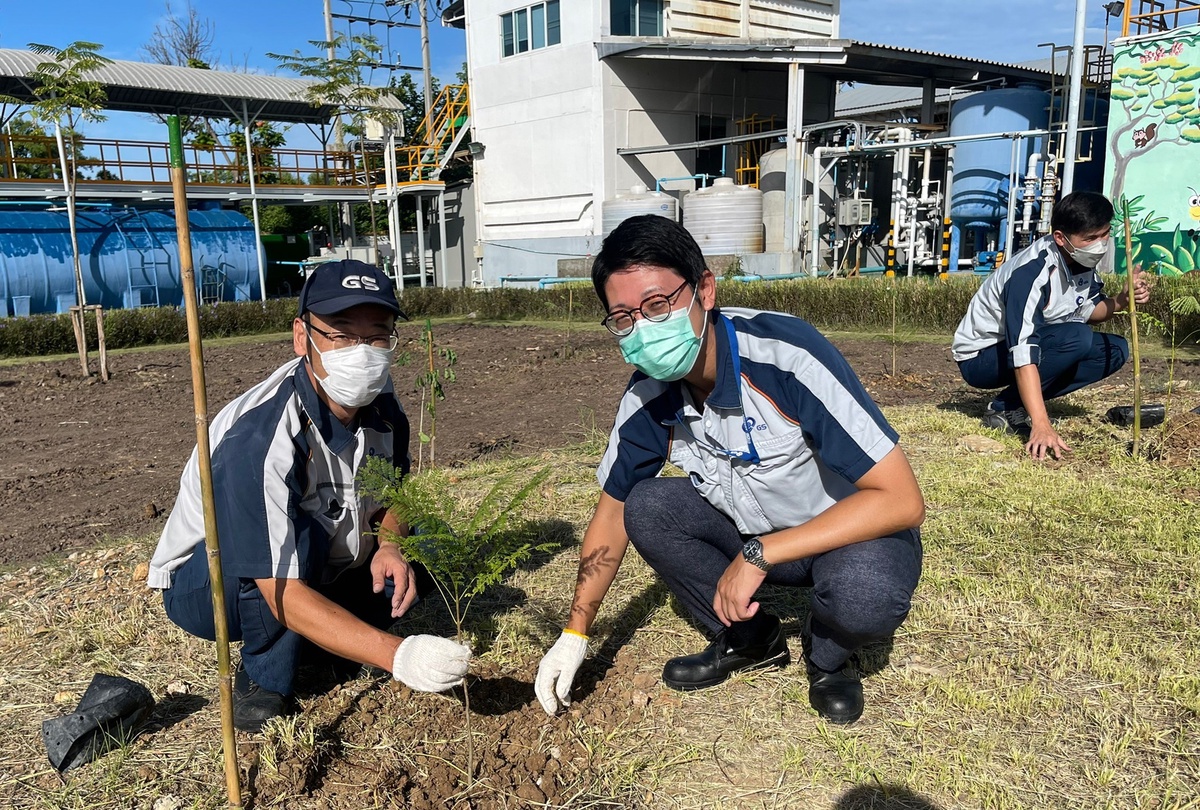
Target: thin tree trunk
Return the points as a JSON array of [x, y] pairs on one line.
[[68, 170]]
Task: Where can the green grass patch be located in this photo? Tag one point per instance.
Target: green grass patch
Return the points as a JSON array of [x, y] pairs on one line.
[[1050, 659]]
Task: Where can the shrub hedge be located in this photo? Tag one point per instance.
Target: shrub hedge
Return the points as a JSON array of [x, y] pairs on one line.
[[921, 305]]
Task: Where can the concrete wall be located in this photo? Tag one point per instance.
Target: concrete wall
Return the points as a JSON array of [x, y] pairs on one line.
[[538, 117], [459, 256]]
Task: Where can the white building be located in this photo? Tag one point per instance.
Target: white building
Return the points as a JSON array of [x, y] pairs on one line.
[[576, 101]]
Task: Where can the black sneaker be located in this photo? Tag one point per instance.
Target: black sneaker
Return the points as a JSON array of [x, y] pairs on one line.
[[253, 705], [720, 660], [1015, 420], [836, 696]]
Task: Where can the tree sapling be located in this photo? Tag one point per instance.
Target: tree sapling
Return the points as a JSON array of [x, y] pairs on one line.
[[466, 545]]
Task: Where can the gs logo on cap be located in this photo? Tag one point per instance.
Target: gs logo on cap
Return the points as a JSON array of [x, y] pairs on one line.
[[360, 283]]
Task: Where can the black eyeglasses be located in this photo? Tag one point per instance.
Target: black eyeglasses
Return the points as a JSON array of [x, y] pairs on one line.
[[341, 340], [655, 308]]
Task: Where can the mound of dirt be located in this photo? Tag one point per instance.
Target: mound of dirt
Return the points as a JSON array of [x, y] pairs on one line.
[[1180, 442], [379, 739]]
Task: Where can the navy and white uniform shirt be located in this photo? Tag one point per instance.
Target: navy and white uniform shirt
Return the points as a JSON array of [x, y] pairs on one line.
[[796, 406], [283, 471], [1033, 288]]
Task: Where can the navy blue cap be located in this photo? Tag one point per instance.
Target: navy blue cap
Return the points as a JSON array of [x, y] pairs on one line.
[[336, 286]]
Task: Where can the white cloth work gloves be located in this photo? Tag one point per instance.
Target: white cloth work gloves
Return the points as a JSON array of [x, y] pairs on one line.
[[430, 663], [557, 671]]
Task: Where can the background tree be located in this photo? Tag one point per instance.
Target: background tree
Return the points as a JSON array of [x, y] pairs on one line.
[[186, 39], [1160, 102], [66, 97], [339, 83]]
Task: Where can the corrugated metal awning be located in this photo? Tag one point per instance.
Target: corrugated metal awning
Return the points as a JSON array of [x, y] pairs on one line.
[[847, 59], [166, 89]]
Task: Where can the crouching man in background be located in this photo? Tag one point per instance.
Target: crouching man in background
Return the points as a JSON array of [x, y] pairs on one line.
[[299, 553], [1028, 328]]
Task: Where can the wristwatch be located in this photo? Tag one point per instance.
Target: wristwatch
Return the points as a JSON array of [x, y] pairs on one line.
[[752, 550]]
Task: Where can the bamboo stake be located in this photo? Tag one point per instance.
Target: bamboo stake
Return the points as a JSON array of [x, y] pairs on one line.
[[203, 454], [1133, 334]]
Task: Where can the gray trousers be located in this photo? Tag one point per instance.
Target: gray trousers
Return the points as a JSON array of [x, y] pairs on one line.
[[860, 593]]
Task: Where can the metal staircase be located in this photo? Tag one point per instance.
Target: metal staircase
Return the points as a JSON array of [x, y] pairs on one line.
[[441, 132]]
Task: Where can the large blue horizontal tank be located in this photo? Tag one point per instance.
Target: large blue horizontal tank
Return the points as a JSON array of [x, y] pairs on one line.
[[130, 258], [980, 194]]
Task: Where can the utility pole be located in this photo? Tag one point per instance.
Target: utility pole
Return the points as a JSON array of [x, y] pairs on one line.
[[425, 67]]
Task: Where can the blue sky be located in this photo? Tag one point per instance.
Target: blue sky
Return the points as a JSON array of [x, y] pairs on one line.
[[246, 30]]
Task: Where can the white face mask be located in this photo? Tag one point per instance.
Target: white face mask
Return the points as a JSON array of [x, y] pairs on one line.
[[354, 376], [1088, 256]]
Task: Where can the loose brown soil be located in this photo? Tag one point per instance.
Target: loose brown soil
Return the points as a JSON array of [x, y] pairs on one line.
[[81, 460]]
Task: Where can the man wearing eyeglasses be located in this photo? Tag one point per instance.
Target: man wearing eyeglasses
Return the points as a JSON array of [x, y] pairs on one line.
[[303, 566], [793, 477]]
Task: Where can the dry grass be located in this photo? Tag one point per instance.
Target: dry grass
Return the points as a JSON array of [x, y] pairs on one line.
[[1052, 658]]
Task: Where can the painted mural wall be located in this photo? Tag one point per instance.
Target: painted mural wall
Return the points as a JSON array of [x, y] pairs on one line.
[[1154, 148]]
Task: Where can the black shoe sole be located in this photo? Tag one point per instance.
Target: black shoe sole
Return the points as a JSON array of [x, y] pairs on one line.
[[781, 660]]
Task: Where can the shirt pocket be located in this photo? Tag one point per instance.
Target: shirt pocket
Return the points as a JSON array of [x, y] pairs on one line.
[[766, 492]]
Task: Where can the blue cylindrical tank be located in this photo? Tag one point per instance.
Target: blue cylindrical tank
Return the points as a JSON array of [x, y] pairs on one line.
[[130, 258], [979, 198]]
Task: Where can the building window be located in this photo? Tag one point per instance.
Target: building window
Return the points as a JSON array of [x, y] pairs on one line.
[[637, 18], [530, 28]]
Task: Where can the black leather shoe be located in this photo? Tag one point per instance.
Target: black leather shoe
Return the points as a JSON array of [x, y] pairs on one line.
[[836, 696], [719, 660], [253, 705]]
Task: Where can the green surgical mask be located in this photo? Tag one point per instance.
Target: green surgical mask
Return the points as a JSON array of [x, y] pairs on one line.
[[665, 350]]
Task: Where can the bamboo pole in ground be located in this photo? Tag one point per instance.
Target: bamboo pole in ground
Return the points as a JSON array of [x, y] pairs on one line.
[[203, 455], [1133, 337]]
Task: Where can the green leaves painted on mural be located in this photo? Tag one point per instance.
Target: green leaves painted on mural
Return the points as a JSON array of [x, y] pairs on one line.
[[1175, 118], [1121, 94], [1191, 134], [1186, 74], [1178, 259]]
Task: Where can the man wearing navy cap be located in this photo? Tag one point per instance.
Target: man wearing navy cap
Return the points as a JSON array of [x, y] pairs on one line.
[[301, 560]]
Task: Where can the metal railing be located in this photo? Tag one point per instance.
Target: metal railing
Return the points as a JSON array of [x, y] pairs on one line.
[[34, 158], [1152, 16]]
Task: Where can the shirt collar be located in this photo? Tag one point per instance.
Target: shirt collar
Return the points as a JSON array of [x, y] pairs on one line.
[[335, 435], [727, 392]]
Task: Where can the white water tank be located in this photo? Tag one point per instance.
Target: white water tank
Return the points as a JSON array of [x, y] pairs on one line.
[[640, 200], [772, 171], [725, 218]]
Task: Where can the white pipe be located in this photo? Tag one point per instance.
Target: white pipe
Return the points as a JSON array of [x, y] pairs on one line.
[[925, 173], [1032, 183], [949, 192], [421, 237], [258, 248], [793, 182], [1013, 181], [912, 241], [441, 252], [1071, 142]]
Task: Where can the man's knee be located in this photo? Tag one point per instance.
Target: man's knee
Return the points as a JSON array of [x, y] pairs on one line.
[[864, 613], [1116, 352], [649, 506]]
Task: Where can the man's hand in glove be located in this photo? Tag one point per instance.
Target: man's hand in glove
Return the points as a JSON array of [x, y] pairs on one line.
[[430, 663], [557, 671]]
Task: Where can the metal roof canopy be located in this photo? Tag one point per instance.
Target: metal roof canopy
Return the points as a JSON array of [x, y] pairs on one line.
[[166, 90], [847, 59]]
